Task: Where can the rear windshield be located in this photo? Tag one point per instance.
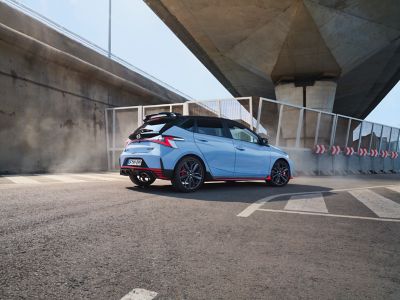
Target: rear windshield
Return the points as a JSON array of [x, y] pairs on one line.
[[152, 128]]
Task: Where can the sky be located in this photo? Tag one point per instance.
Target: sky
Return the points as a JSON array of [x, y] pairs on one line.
[[142, 39]]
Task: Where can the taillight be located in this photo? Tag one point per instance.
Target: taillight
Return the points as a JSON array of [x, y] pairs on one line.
[[165, 140]]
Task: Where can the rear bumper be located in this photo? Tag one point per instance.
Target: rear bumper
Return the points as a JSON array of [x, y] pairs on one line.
[[157, 173], [152, 163]]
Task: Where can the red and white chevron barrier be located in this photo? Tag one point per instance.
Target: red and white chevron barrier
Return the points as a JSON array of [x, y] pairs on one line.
[[320, 149], [394, 155], [349, 151], [362, 151], [374, 153], [384, 153], [335, 150]]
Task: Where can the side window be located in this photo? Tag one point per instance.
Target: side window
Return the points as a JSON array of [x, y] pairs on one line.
[[242, 134], [188, 125], [210, 127]]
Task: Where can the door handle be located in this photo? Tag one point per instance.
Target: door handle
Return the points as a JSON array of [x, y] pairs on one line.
[[240, 149], [202, 140]]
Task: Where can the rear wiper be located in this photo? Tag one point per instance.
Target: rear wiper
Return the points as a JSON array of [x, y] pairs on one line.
[[143, 134]]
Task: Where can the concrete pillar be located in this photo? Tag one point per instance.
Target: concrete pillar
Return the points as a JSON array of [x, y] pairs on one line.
[[320, 96]]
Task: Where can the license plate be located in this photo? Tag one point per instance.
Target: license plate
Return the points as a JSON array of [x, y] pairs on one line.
[[134, 162]]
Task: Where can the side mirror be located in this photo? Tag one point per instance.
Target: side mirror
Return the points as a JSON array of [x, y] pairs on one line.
[[264, 141]]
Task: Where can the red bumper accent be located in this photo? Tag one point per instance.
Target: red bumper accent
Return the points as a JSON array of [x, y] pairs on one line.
[[157, 172]]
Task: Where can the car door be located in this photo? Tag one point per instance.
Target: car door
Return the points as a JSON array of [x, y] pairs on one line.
[[217, 148], [252, 158]]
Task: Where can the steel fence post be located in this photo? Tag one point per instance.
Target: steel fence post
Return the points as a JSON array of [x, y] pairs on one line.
[[348, 133], [317, 129], [251, 112], [360, 136], [347, 144], [107, 140], [369, 148], [259, 114], [140, 115], [359, 145], [333, 131], [278, 133], [390, 140], [332, 141], [185, 109], [113, 140], [380, 140], [299, 127]]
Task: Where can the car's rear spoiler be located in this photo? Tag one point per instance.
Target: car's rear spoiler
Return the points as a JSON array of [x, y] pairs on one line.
[[161, 115]]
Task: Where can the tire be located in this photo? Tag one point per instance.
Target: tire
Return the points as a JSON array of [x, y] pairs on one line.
[[188, 175], [142, 179], [280, 173]]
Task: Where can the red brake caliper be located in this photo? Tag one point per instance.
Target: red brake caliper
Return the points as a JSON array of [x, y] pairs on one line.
[[182, 172]]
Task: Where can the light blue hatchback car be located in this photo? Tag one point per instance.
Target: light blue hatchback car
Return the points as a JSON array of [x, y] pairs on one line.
[[189, 150]]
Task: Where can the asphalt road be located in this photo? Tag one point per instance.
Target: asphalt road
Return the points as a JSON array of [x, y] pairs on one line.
[[98, 237]]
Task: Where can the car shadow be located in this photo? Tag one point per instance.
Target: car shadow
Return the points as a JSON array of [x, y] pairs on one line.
[[245, 192]]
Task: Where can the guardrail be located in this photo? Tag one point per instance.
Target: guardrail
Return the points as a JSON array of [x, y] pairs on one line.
[[320, 142], [32, 13], [121, 121], [306, 128], [328, 143]]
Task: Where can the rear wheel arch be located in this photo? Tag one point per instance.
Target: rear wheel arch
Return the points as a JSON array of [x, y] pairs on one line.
[[191, 155], [189, 173]]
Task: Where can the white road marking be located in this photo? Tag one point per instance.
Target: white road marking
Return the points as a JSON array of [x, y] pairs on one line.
[[97, 177], [22, 179], [308, 202], [328, 215], [63, 178], [394, 188], [259, 203], [139, 294], [381, 206]]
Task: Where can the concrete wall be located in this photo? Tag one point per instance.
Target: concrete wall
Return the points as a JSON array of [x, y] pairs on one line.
[[53, 92]]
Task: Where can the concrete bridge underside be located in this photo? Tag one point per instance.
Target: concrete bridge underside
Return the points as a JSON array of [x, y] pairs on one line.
[[339, 55]]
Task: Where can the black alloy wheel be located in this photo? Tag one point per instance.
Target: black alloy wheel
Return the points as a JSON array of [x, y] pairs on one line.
[[143, 179], [188, 175], [280, 173]]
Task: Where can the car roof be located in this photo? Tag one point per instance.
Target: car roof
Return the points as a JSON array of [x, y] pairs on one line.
[[178, 116], [213, 118], [205, 117]]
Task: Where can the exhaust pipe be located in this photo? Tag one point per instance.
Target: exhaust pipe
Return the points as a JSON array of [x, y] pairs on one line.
[[145, 175]]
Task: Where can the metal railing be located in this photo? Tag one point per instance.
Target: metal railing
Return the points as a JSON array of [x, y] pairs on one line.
[[285, 125], [46, 21], [306, 127], [122, 121]]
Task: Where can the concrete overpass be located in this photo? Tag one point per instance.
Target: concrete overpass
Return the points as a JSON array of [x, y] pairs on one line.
[[340, 56]]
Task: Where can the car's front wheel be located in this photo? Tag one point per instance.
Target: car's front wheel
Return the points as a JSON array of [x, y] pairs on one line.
[[189, 175], [280, 173], [143, 179]]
